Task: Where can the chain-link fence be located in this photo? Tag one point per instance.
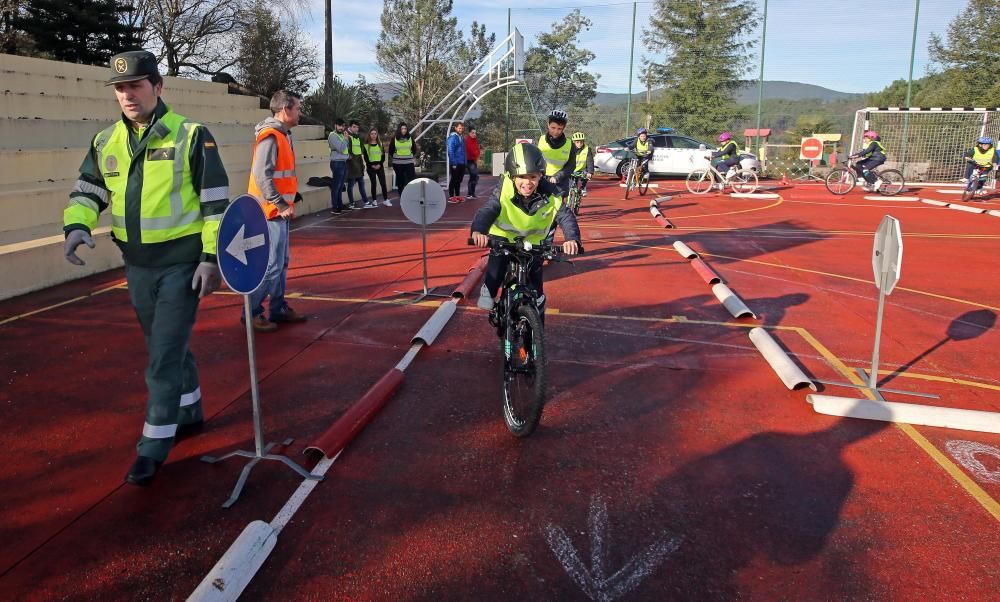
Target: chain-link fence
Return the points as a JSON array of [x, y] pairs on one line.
[[819, 62]]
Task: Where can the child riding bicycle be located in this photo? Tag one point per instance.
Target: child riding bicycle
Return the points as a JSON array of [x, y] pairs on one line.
[[983, 156], [872, 154], [727, 158], [643, 150], [584, 160], [517, 209]]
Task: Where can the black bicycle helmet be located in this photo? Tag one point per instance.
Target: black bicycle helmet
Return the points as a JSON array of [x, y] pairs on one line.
[[524, 159], [559, 117]]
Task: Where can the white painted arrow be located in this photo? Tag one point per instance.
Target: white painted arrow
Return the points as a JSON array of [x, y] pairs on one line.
[[596, 583], [239, 246]]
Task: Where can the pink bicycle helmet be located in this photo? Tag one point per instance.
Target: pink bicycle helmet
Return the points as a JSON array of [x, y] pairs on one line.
[[725, 136], [870, 134]]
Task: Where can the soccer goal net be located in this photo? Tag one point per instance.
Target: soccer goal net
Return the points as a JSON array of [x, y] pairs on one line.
[[927, 144]]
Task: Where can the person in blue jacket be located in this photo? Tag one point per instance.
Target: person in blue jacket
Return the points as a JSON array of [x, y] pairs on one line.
[[456, 162]]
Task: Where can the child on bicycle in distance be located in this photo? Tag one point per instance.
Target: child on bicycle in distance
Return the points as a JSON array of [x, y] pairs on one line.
[[984, 155], [872, 154], [584, 160], [727, 158], [643, 150], [517, 209]]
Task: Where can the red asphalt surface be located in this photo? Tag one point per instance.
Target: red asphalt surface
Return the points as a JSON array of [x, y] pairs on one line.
[[671, 463]]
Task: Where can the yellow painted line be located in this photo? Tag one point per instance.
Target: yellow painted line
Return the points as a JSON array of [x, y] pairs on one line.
[[973, 488], [120, 285], [774, 204], [942, 379]]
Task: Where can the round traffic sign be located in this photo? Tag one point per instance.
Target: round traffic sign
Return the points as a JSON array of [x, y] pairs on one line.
[[422, 201], [243, 245], [812, 148]]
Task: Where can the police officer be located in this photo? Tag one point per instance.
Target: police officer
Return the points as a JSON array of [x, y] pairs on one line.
[[559, 152], [164, 181]]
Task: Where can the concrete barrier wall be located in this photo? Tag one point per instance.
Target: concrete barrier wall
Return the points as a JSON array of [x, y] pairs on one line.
[[20, 105], [10, 64]]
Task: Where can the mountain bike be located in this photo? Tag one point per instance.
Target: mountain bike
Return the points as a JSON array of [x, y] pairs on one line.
[[576, 181], [633, 180], [974, 187], [519, 326], [701, 180], [842, 180]]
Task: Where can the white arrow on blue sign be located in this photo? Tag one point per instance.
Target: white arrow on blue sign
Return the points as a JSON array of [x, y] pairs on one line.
[[244, 243]]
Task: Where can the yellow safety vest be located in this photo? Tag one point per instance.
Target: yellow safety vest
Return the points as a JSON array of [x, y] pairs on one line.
[[355, 145], [555, 158], [404, 148], [169, 207], [581, 157], [642, 148], [983, 159], [374, 152], [513, 222]]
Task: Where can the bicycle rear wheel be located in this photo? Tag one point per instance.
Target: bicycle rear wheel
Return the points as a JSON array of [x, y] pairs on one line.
[[524, 378], [644, 183], [840, 181], [744, 182], [892, 182], [699, 181], [629, 180]]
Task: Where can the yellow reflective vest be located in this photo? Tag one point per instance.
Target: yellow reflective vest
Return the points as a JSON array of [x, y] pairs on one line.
[[555, 158], [513, 222]]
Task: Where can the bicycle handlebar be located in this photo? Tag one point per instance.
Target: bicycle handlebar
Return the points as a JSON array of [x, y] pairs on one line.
[[523, 247]]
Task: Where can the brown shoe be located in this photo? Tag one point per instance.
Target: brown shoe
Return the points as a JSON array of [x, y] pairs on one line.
[[262, 324], [289, 315]]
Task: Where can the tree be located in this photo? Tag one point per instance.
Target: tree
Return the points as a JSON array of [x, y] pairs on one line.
[[273, 55], [969, 61], [418, 49], [196, 35], [79, 31], [359, 101], [554, 69], [472, 51], [707, 46]]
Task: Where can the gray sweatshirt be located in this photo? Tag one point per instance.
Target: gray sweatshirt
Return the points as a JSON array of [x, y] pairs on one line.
[[264, 159], [338, 145]]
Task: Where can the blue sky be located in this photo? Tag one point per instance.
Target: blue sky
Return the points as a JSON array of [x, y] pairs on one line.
[[850, 45]]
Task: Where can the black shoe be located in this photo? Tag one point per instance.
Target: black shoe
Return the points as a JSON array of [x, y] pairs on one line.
[[143, 471], [188, 430]]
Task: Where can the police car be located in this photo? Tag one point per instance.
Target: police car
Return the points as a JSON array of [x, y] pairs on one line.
[[673, 154]]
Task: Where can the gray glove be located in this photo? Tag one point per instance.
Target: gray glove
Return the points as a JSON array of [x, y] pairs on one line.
[[74, 240], [206, 277]]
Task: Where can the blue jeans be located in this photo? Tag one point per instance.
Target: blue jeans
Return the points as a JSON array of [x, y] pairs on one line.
[[360, 181], [473, 170], [339, 171], [273, 285]]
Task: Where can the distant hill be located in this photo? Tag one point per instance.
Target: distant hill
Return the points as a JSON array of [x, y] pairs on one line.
[[747, 93]]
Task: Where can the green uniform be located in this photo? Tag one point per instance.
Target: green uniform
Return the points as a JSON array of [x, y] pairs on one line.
[[167, 189]]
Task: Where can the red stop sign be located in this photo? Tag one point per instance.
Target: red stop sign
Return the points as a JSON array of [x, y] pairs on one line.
[[812, 148]]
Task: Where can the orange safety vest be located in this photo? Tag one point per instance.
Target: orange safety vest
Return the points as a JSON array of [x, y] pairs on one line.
[[284, 173]]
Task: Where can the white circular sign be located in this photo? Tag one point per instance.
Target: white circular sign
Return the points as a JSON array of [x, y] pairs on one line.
[[422, 201]]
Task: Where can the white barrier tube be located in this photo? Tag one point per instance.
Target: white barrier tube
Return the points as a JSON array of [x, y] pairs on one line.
[[966, 208], [432, 327], [731, 302], [993, 212], [786, 369], [753, 195], [684, 250], [935, 203], [891, 198], [908, 413]]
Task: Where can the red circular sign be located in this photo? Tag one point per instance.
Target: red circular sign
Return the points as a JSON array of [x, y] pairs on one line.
[[812, 148]]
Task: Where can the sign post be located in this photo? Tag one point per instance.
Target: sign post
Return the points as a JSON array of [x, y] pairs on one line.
[[887, 260], [423, 202], [244, 244], [811, 150]]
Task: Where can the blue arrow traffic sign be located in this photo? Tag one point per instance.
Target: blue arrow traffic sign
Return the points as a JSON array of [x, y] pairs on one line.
[[243, 245]]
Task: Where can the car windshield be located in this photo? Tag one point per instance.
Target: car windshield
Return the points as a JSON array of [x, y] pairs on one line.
[[682, 142]]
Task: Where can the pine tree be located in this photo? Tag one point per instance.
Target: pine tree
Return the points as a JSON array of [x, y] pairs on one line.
[[706, 46], [273, 54], [554, 68], [969, 62], [78, 31]]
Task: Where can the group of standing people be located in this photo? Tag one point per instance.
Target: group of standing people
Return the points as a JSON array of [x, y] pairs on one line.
[[463, 156], [352, 156]]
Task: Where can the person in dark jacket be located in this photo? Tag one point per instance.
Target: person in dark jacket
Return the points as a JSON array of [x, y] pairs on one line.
[[727, 158], [402, 150], [356, 168], [518, 209], [374, 154], [872, 154]]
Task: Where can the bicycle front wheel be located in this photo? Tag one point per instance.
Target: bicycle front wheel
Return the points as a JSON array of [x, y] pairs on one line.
[[573, 200], [699, 181], [892, 182], [644, 183], [840, 181], [524, 378], [629, 181], [744, 182]]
